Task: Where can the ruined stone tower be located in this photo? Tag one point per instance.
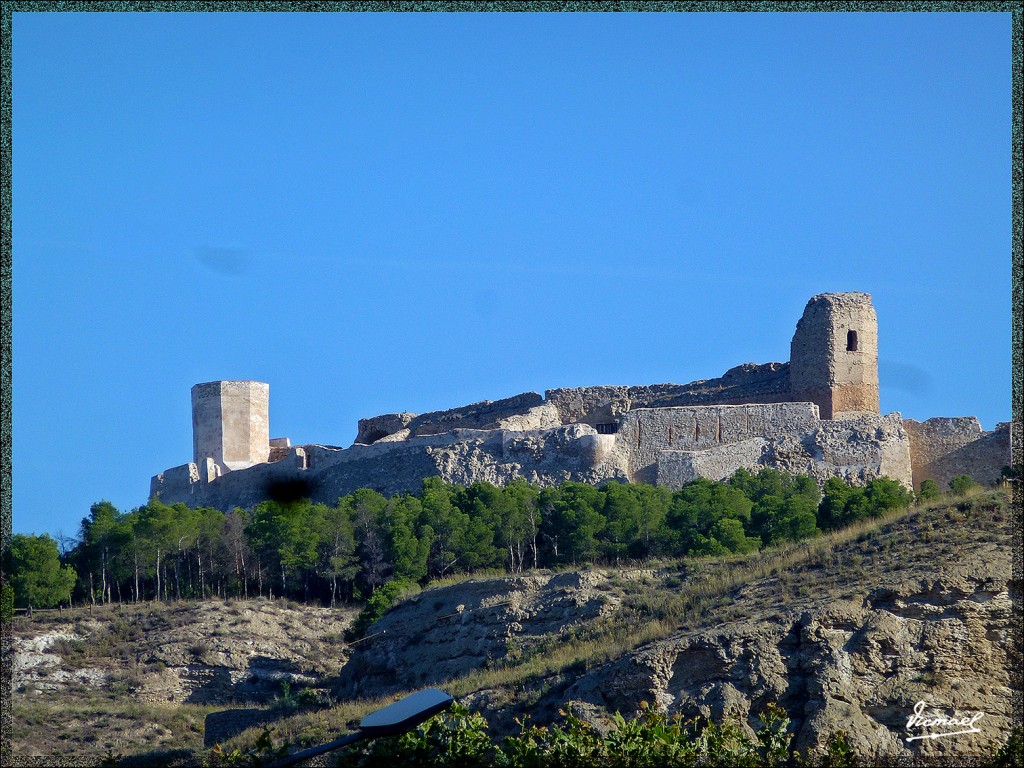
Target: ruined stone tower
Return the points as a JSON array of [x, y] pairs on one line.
[[231, 424], [833, 360]]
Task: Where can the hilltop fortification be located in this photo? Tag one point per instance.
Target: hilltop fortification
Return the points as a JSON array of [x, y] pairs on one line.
[[817, 414]]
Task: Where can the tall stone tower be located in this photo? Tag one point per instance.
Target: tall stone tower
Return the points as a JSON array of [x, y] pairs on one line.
[[231, 423], [833, 360]]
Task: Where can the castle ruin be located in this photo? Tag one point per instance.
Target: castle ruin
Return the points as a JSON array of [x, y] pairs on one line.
[[817, 414]]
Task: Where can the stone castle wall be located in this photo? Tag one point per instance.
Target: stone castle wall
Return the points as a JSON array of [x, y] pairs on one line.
[[652, 446], [943, 448], [483, 415], [647, 432], [747, 383], [817, 414]]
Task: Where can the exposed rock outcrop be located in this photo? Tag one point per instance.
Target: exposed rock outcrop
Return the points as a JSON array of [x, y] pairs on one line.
[[200, 652], [851, 639], [476, 623]]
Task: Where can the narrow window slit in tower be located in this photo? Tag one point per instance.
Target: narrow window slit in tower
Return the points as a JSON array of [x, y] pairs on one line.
[[719, 427], [851, 341], [696, 430]]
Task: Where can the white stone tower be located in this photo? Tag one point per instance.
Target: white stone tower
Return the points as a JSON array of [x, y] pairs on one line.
[[833, 360], [231, 423]]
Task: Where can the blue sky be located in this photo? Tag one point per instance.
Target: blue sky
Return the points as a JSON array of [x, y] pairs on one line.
[[378, 213]]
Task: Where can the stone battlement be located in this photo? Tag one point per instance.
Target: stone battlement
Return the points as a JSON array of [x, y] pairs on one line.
[[816, 414]]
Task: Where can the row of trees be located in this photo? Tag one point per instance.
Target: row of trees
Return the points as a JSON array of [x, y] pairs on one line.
[[343, 552]]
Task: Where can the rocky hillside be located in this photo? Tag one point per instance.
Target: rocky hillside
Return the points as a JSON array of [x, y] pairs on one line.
[[848, 632], [141, 678]]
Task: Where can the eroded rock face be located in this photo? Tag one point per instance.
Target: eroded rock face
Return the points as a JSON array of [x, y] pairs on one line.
[[205, 652], [467, 626], [854, 667], [852, 639]]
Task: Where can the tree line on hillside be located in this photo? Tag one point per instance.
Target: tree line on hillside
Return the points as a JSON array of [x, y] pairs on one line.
[[344, 552]]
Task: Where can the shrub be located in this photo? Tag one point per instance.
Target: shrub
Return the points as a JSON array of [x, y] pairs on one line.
[[929, 490], [379, 603], [961, 485]]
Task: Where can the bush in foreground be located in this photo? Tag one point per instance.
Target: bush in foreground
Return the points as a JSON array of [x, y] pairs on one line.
[[459, 738]]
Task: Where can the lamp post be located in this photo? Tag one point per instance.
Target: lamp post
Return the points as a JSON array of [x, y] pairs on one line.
[[401, 716]]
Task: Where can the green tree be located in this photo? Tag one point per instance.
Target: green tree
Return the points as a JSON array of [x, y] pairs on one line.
[[961, 485], [729, 533], [286, 535], [157, 529], [929, 490], [622, 527], [785, 507], [37, 576], [443, 524], [379, 603], [575, 521], [485, 505], [695, 509], [100, 537], [654, 504], [368, 520], [338, 560], [408, 551], [886, 494], [520, 524]]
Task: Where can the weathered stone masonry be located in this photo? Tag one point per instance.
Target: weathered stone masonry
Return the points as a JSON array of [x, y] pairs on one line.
[[817, 414]]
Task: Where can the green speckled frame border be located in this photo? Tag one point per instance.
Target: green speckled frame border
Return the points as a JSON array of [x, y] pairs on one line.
[[32, 6]]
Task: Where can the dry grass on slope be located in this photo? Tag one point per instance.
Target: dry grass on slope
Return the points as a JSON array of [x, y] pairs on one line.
[[847, 564]]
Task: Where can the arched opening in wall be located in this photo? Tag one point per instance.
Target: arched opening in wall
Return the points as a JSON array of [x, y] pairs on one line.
[[376, 435], [851, 341]]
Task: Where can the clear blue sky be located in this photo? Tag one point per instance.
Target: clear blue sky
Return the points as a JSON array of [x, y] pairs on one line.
[[377, 213]]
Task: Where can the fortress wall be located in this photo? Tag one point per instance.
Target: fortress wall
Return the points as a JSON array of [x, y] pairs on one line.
[[482, 415], [377, 427], [750, 383], [744, 384], [863, 446], [677, 468], [646, 432], [176, 482], [323, 474], [942, 448], [589, 405], [669, 446], [539, 417]]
